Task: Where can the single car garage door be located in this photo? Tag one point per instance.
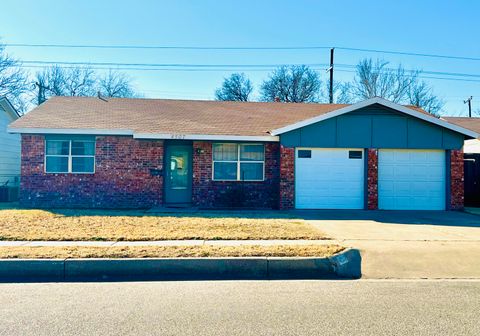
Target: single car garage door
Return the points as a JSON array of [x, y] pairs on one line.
[[329, 178], [411, 179]]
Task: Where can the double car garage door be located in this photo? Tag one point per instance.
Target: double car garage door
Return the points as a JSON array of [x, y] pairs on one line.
[[335, 179]]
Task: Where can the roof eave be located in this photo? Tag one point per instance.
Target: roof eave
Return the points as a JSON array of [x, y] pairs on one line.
[[152, 136], [7, 105]]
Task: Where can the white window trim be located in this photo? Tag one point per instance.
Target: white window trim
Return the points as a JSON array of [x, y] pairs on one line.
[[69, 156], [238, 162]]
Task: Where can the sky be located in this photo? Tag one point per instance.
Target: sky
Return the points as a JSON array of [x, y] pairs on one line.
[[430, 27]]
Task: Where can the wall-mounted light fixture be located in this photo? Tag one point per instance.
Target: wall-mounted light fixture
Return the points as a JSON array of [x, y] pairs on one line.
[[199, 150]]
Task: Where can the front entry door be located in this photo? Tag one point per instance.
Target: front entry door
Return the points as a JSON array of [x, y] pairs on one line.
[[178, 175]]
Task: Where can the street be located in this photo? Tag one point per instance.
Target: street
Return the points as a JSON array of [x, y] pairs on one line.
[[363, 307]]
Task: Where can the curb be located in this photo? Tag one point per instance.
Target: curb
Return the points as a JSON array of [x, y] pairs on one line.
[[343, 265]]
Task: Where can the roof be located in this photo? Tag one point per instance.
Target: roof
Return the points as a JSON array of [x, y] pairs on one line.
[[466, 122], [8, 107], [181, 119]]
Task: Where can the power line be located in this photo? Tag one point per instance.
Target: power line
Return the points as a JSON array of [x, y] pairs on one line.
[[224, 67], [465, 58], [429, 77], [86, 46], [98, 46], [174, 65], [227, 69]]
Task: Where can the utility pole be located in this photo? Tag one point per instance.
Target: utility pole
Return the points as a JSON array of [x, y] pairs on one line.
[[469, 101], [331, 76]]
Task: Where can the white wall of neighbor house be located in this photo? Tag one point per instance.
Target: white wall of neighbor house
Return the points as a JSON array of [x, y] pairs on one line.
[[472, 146], [9, 151]]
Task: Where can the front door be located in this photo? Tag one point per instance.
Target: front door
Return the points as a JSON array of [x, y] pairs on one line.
[[178, 175]]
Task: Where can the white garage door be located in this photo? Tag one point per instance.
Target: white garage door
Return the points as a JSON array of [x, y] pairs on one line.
[[329, 178], [411, 179]]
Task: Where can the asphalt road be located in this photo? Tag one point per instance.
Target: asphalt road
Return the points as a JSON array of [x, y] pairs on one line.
[[364, 307]]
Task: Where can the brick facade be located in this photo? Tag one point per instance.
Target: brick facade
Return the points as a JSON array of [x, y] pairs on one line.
[[456, 180], [372, 179], [207, 193], [122, 176], [287, 178]]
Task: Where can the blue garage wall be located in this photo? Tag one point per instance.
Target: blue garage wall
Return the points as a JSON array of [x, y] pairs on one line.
[[373, 127]]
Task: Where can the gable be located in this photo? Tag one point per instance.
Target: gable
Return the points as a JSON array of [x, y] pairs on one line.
[[7, 110], [374, 126]]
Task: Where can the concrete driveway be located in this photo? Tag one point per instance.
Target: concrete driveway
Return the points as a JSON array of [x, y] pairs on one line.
[[407, 244]]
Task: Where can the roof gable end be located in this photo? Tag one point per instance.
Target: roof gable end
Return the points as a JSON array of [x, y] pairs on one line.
[[369, 102], [8, 108]]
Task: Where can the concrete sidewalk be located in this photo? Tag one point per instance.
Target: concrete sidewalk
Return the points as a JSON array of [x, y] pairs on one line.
[[170, 243], [409, 244]]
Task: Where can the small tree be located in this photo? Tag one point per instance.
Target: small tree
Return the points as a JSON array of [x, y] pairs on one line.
[[292, 84], [237, 87]]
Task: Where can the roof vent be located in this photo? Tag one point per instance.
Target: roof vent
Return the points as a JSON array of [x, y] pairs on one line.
[[100, 97]]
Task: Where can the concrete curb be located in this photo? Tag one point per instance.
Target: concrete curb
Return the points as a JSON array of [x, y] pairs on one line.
[[342, 265]]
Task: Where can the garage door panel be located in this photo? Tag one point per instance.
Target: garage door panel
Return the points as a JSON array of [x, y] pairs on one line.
[[411, 179], [329, 180]]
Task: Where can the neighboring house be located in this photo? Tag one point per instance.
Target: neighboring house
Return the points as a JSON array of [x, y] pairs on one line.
[[473, 145], [9, 153], [471, 150], [139, 153]]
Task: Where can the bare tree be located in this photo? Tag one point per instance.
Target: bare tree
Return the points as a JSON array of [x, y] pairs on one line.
[[237, 87], [421, 95], [342, 92], [81, 81], [375, 79], [58, 81], [292, 84], [13, 81], [116, 84]]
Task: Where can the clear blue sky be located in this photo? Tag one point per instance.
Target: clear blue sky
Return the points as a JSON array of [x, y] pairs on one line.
[[435, 27]]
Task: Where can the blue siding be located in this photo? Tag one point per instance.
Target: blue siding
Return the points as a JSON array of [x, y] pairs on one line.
[[354, 131], [374, 127]]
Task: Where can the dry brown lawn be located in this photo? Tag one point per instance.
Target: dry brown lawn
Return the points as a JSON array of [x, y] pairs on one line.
[[40, 252], [17, 224]]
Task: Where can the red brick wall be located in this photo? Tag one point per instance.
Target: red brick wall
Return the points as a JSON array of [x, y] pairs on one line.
[[372, 179], [122, 176], [207, 193], [287, 178], [456, 180]]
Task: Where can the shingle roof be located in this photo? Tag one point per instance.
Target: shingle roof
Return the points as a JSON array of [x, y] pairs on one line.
[[469, 123], [166, 116]]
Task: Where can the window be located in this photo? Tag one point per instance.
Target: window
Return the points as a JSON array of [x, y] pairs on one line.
[[304, 154], [69, 156], [238, 162], [354, 154]]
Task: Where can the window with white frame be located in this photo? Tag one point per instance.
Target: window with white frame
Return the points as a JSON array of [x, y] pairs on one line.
[[70, 156], [238, 162]]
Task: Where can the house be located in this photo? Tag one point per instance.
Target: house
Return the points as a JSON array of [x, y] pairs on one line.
[[471, 146], [471, 157], [139, 153], [9, 153]]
